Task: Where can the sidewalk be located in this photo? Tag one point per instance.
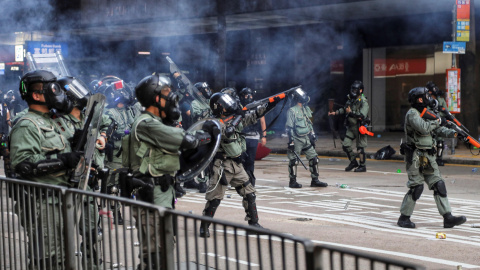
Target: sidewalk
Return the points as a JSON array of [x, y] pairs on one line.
[[325, 147]]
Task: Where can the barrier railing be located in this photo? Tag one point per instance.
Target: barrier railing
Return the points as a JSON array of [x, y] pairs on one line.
[[50, 227]]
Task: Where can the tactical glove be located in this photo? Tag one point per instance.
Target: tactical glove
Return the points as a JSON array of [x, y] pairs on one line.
[[291, 146], [70, 160], [210, 127], [229, 131]]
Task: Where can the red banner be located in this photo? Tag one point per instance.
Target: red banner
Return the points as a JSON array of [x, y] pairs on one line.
[[394, 67]]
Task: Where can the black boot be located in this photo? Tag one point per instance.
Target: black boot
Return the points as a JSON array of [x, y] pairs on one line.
[[294, 184], [202, 187], [209, 211], [316, 183], [190, 184], [353, 164], [405, 222], [117, 217], [251, 210], [361, 168], [179, 191], [450, 221]]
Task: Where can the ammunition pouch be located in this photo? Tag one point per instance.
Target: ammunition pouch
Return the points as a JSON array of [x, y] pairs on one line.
[[28, 169], [145, 193], [407, 150]]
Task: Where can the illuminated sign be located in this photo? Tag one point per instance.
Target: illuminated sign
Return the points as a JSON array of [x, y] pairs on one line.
[[394, 67], [463, 20], [18, 53], [40, 47]]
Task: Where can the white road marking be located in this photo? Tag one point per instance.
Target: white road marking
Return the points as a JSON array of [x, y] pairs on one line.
[[377, 251], [232, 259], [401, 254]]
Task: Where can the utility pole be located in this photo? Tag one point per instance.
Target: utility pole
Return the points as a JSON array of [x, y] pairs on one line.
[[469, 96]]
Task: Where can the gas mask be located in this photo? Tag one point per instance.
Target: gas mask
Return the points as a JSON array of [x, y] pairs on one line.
[[56, 98], [171, 109]]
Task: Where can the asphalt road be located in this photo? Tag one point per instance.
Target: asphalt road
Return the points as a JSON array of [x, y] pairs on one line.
[[362, 217]]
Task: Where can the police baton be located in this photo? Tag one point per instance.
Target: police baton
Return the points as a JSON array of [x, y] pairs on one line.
[[298, 158]]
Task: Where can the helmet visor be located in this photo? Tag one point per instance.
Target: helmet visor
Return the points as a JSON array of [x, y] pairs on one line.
[[77, 88]]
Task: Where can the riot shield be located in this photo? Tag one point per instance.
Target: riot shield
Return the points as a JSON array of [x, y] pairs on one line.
[[194, 92], [52, 62], [93, 114], [194, 161]]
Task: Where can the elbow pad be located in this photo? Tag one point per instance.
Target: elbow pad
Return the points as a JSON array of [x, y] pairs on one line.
[[193, 141], [28, 169]]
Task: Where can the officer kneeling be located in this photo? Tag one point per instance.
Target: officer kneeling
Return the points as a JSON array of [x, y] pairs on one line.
[[419, 151], [152, 154]]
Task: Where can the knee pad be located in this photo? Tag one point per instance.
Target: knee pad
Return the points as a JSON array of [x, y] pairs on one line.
[[416, 192], [361, 150], [344, 148], [313, 161], [440, 189], [440, 144], [292, 162]]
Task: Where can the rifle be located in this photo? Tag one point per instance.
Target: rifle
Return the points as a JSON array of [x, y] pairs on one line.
[[194, 92], [452, 118], [269, 99], [461, 133]]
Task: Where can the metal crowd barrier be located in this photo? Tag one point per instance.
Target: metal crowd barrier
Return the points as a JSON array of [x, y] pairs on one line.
[[79, 232]]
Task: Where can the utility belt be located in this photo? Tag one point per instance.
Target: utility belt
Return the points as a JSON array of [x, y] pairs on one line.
[[222, 156], [143, 185], [407, 150]]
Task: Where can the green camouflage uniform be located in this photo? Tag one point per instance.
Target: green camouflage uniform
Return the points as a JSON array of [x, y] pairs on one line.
[[421, 165], [228, 169], [359, 109], [35, 138], [300, 128], [153, 152]]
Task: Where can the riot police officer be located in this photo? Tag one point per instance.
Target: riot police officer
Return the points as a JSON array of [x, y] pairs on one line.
[[419, 150], [253, 134], [122, 115], [301, 139], [40, 153], [436, 94], [154, 130], [356, 111], [227, 168]]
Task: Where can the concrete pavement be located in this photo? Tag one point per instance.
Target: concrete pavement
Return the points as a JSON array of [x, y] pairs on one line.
[[325, 147]]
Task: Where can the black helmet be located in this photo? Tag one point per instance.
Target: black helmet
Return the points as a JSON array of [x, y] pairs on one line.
[[299, 96], [36, 76], [355, 88], [76, 90], [231, 92], [117, 93], [150, 87], [204, 88], [419, 92], [246, 96], [433, 88], [222, 104]]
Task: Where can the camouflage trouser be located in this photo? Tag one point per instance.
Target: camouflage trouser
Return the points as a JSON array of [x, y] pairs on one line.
[[88, 228], [228, 172], [41, 220], [302, 146], [423, 169], [361, 143], [149, 229]]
